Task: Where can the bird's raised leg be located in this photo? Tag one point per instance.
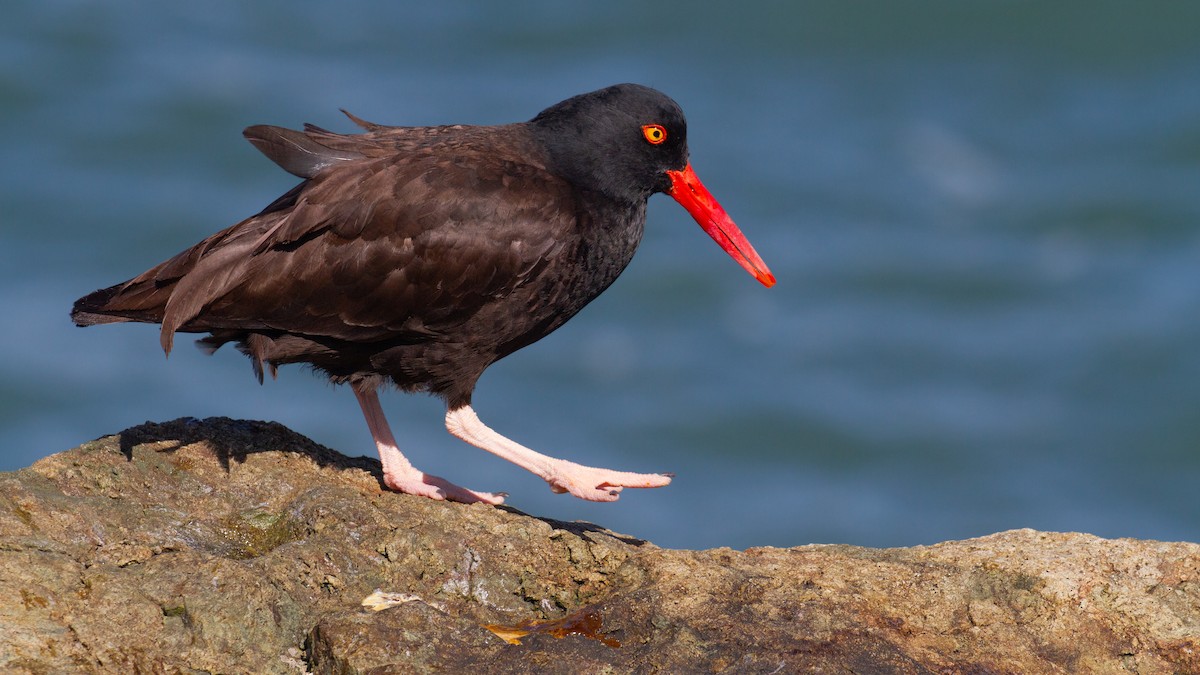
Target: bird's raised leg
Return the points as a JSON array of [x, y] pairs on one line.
[[585, 482], [398, 473]]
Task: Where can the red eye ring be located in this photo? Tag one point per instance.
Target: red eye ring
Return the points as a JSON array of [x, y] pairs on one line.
[[655, 134]]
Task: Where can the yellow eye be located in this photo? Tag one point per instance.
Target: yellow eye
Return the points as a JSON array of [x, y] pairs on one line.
[[654, 133]]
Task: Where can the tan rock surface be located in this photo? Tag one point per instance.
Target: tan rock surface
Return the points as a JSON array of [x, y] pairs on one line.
[[241, 547]]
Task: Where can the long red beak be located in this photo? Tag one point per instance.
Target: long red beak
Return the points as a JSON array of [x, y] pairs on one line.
[[691, 194]]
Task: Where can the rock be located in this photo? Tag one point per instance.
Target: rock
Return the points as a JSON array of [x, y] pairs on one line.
[[242, 547]]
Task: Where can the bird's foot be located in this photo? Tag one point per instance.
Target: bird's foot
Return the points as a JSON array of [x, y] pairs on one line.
[[599, 485], [585, 482], [413, 482]]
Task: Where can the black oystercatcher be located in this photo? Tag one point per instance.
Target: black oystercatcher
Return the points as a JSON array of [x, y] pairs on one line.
[[419, 256]]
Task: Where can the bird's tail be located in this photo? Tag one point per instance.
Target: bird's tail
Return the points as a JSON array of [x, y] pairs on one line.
[[133, 300]]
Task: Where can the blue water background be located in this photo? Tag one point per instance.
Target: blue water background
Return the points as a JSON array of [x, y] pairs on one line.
[[984, 218]]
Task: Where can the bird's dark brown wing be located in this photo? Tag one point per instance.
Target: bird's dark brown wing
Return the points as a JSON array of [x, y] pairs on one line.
[[299, 153], [309, 152], [403, 246]]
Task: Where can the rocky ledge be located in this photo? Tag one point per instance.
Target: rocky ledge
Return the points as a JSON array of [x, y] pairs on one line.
[[241, 547]]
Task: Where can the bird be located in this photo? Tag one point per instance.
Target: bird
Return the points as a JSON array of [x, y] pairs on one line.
[[415, 257]]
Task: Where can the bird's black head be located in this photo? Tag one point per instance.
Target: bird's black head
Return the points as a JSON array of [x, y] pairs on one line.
[[620, 140], [628, 142]]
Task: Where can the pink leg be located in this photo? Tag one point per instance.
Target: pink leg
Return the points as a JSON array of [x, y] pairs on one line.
[[585, 482], [398, 473]]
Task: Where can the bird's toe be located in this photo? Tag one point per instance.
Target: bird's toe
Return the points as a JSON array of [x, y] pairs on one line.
[[600, 485], [435, 487]]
